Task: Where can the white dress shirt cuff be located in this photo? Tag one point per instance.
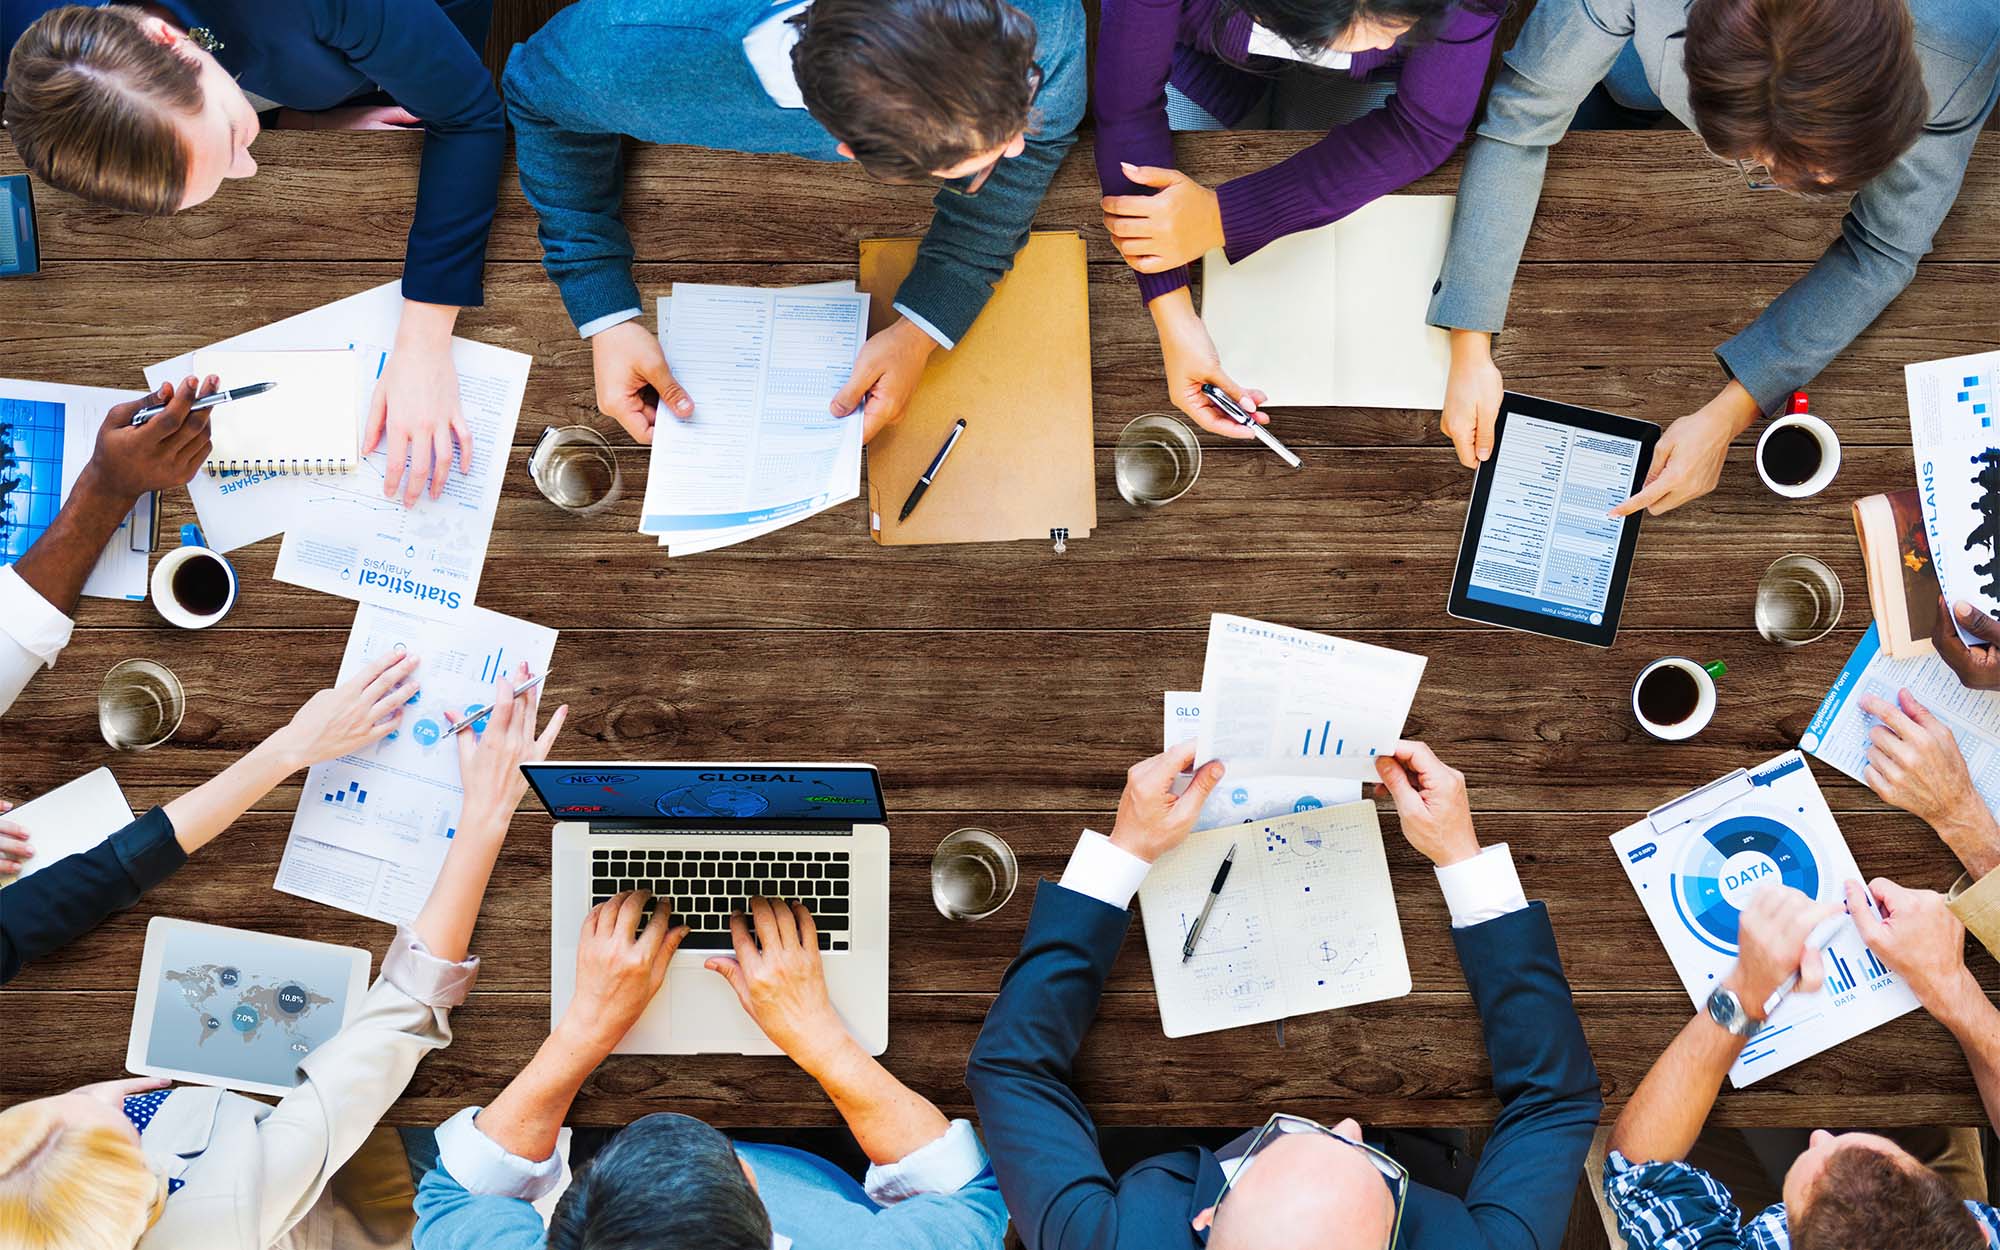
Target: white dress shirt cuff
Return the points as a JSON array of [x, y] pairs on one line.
[[409, 966], [596, 324], [944, 1165], [1482, 888], [1107, 873], [31, 620], [935, 333], [483, 1166]]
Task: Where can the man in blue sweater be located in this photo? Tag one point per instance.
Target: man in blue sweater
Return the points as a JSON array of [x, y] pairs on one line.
[[1294, 1182], [980, 96]]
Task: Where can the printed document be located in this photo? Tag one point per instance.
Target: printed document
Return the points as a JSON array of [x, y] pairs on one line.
[[1306, 921], [1278, 701], [47, 435], [1954, 404], [1838, 732], [1238, 800], [373, 827], [763, 450], [1697, 862]]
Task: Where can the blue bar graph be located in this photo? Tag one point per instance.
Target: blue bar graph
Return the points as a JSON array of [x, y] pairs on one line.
[[353, 791], [490, 668], [1306, 746], [1874, 967], [1840, 979]]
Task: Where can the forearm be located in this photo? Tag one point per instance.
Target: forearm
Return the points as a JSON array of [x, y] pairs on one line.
[[1973, 836], [59, 562], [1669, 1107], [1975, 1022], [888, 1118], [426, 328], [202, 813], [527, 1116], [445, 923]]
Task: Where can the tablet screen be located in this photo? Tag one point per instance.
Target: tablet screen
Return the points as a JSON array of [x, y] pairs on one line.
[[1547, 546]]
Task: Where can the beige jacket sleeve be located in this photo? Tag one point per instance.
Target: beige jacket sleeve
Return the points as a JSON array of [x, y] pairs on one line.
[[1977, 905], [351, 1080]]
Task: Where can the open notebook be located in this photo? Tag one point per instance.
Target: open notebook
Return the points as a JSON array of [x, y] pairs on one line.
[[310, 422], [1335, 316]]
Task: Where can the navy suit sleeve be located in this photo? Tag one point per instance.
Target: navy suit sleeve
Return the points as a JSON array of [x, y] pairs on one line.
[[1527, 1176], [424, 58], [1038, 1132], [69, 898]]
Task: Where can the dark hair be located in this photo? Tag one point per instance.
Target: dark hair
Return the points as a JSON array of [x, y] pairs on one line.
[[914, 86], [663, 1183], [90, 105], [1867, 1199], [1829, 92], [1310, 25]]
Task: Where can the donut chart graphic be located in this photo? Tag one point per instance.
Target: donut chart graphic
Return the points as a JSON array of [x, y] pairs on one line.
[[1728, 862]]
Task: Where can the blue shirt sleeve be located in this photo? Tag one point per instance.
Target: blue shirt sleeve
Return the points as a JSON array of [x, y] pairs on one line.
[[1671, 1206], [45, 912], [972, 1217], [448, 1218]]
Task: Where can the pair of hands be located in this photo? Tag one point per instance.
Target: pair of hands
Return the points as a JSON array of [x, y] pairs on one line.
[[634, 381], [1916, 936], [1430, 798], [776, 972]]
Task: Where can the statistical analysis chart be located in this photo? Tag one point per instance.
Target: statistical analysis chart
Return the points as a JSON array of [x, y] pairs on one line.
[[1698, 861]]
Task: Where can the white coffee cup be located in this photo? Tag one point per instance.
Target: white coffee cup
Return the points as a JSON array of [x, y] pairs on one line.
[[169, 604], [1704, 707], [1829, 454]]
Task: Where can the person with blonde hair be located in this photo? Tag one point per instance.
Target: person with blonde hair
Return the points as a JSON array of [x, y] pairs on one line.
[[127, 1164]]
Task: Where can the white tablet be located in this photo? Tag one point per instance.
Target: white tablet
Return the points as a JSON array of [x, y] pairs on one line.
[[238, 1009]]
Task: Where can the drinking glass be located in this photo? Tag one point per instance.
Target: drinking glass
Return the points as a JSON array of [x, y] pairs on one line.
[[973, 874], [140, 705], [1158, 459], [575, 469], [1798, 601]]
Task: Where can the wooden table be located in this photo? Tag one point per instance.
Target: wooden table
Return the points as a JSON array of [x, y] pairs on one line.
[[1009, 687]]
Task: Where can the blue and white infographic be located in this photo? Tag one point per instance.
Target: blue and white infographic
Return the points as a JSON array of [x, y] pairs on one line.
[[1697, 862], [244, 1011], [1953, 406]]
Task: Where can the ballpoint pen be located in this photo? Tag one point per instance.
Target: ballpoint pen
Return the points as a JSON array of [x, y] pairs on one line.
[[937, 462], [1194, 930], [1235, 413], [479, 713], [206, 401]]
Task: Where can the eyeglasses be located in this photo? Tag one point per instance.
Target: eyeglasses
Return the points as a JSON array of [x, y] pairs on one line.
[[969, 184], [1394, 1174], [1756, 175]]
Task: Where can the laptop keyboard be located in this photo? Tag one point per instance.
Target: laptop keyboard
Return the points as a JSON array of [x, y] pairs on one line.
[[703, 887]]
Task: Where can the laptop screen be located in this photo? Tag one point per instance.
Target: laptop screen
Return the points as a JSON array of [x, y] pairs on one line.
[[709, 793]]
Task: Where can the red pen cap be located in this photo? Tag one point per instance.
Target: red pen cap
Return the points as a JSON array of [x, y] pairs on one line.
[[1798, 403]]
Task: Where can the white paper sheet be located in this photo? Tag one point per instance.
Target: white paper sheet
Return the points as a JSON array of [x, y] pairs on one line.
[[1284, 702], [1838, 732], [1698, 861], [1306, 922], [70, 818], [1954, 407], [1238, 800], [120, 571], [372, 828], [311, 416]]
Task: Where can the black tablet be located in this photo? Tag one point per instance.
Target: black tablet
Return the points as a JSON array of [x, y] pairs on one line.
[[1539, 553]]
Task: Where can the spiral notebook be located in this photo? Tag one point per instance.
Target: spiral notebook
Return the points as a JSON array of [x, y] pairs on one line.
[[309, 422]]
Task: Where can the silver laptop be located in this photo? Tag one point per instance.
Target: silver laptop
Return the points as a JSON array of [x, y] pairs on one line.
[[704, 838]]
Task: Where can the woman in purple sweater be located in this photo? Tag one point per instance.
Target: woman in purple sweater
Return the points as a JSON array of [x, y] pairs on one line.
[[1219, 53]]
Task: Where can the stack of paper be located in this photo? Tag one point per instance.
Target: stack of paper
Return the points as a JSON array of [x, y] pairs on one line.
[[763, 449], [47, 435]]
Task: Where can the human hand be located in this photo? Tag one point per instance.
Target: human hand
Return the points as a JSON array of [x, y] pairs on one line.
[[353, 117], [1687, 463], [1978, 667], [632, 379], [489, 760], [1472, 392], [415, 408], [1191, 360], [114, 1093], [14, 849], [358, 711], [1919, 939], [777, 975], [1151, 820], [619, 967], [1431, 803], [167, 451], [1179, 223], [886, 374], [1771, 945]]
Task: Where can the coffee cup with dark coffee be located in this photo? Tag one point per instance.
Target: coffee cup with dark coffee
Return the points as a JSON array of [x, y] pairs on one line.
[[1798, 454], [193, 586], [1674, 698]]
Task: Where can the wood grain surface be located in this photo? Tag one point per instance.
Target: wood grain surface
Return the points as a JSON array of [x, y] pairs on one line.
[[1009, 687]]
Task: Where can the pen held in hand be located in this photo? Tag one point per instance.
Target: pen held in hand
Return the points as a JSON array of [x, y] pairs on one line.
[[206, 401], [1214, 890], [480, 713], [1234, 412]]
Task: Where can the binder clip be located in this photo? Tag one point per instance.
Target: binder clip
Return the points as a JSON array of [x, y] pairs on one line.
[[1061, 539]]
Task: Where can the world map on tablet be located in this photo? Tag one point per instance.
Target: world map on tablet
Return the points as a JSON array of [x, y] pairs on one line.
[[238, 1008], [222, 1002]]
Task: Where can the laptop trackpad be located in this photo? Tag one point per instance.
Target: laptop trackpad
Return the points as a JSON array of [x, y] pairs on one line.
[[702, 1005]]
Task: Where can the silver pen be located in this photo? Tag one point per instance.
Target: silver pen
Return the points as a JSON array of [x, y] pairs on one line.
[[206, 401], [478, 713], [1215, 889], [1234, 413]]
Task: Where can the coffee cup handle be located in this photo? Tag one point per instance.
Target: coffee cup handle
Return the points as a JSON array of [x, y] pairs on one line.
[[191, 536], [1715, 668]]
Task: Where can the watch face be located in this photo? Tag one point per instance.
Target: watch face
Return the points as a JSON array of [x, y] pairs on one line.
[[1727, 1011]]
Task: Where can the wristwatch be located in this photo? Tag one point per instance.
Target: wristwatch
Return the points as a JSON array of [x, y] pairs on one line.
[[1726, 1009]]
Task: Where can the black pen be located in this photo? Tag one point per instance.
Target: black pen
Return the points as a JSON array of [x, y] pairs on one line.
[[1235, 413], [937, 462], [206, 401], [1194, 930]]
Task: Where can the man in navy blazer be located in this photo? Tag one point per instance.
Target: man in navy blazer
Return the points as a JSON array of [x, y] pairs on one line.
[[1309, 1188]]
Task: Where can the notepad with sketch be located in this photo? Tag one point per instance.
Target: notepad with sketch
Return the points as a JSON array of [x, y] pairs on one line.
[[1335, 316], [310, 422], [1306, 921]]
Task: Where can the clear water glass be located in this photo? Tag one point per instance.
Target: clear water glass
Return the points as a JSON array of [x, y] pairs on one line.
[[575, 469], [1157, 460], [1798, 601], [973, 874], [140, 705]]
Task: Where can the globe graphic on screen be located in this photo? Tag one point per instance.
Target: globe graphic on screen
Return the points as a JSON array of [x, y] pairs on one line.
[[712, 798]]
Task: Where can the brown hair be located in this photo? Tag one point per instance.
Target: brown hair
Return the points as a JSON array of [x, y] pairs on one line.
[[1865, 1199], [913, 86], [90, 100], [1828, 92]]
